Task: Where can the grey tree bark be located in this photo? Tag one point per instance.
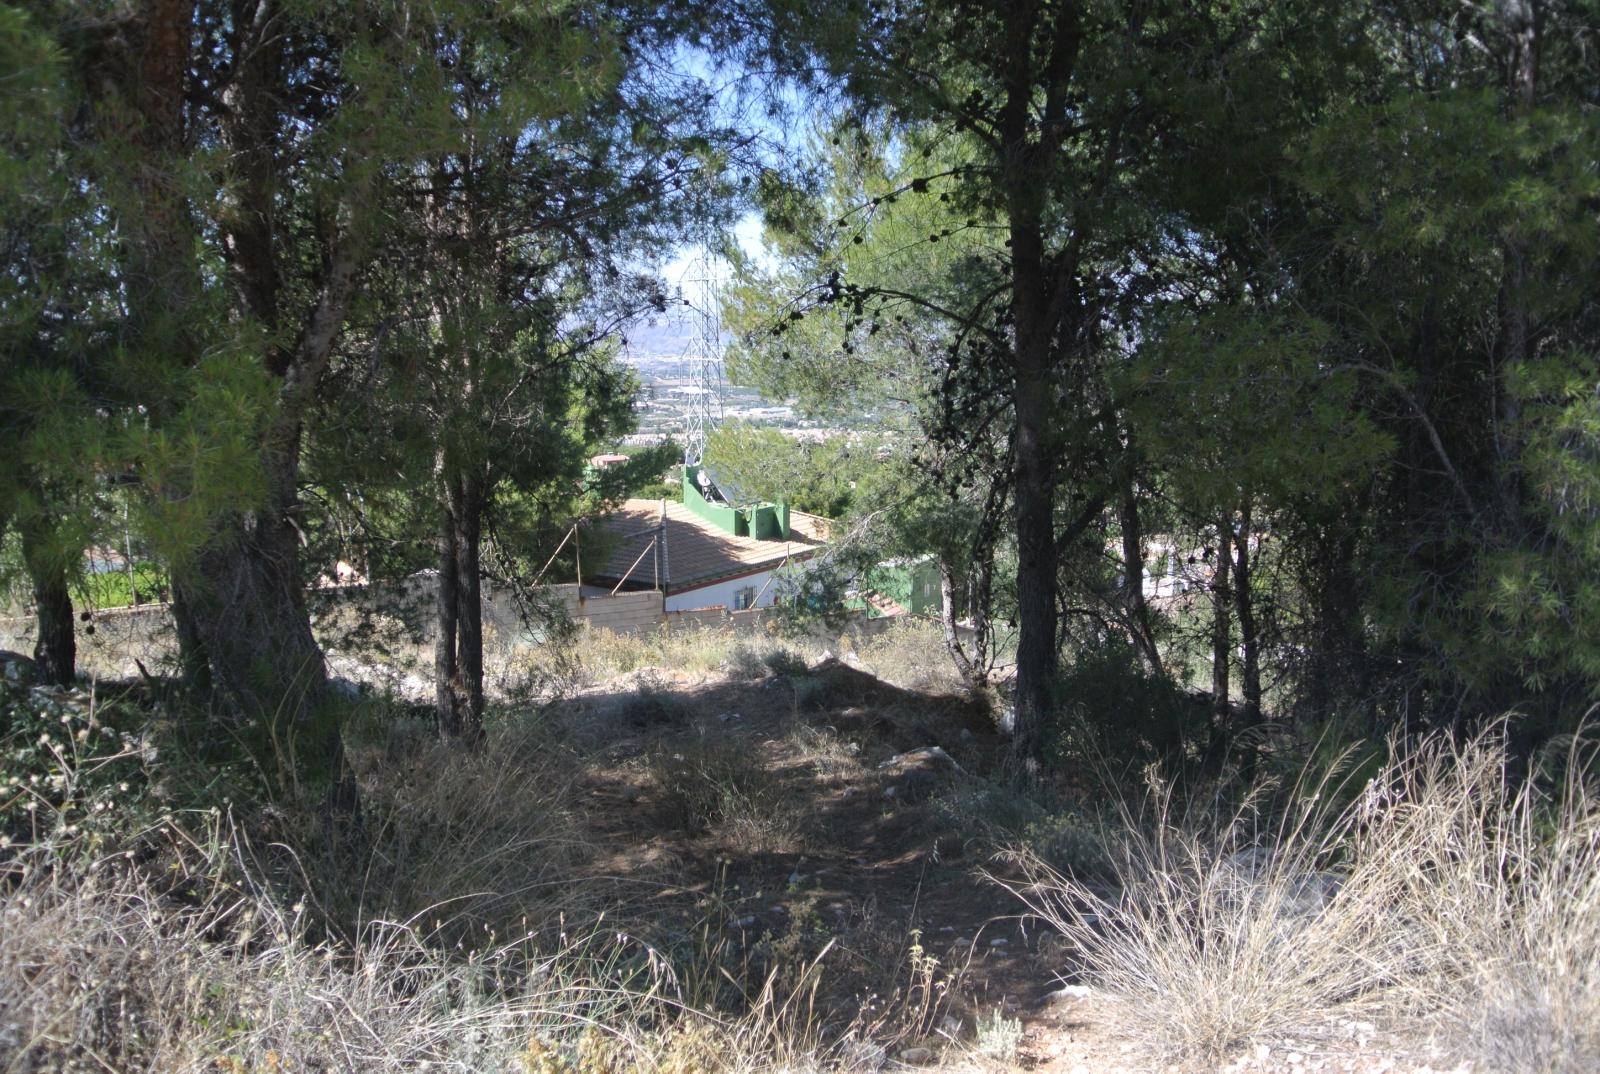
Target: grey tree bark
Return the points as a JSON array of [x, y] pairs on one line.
[[55, 650]]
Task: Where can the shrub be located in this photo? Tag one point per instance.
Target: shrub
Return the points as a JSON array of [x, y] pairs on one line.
[[998, 1037], [68, 763], [784, 661], [1115, 713]]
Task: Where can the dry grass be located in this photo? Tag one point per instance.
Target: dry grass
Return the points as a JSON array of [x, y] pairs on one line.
[[588, 657], [466, 936], [717, 784], [183, 954], [1501, 882], [704, 650], [101, 969], [463, 930], [490, 835], [911, 654], [1442, 900]]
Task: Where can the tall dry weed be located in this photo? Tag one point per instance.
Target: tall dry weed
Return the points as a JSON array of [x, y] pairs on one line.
[[1445, 901], [104, 967]]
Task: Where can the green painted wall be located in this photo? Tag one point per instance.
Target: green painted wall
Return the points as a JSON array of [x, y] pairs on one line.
[[719, 515], [764, 521], [913, 586]]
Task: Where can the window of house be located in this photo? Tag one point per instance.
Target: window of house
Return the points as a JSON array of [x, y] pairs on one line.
[[743, 598]]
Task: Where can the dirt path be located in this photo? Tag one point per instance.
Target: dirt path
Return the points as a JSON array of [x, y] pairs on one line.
[[828, 833]]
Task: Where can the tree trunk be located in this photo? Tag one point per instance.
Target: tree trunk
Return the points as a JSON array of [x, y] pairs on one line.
[[1249, 636], [458, 650], [1135, 606], [1338, 666], [239, 601], [55, 649], [1221, 631], [1036, 578], [447, 703], [1523, 19], [1034, 482], [469, 608], [973, 665], [246, 599], [194, 664]]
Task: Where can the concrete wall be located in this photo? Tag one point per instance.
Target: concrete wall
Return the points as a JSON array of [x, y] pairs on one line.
[[698, 617], [398, 616], [120, 637], [625, 613]]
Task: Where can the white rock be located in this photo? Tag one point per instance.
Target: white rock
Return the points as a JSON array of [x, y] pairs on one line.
[[928, 757], [1075, 991]]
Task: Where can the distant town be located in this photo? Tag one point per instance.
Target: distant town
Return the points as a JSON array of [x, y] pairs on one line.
[[660, 349]]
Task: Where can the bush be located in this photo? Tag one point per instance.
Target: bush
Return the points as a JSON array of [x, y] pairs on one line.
[[785, 661], [1114, 712]]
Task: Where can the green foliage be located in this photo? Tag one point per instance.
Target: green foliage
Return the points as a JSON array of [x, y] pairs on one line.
[[112, 588], [765, 464], [809, 596], [1457, 192], [204, 462], [647, 475], [1240, 402], [1115, 715], [1541, 595]]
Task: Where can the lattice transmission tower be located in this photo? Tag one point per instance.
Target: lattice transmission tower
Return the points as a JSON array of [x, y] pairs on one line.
[[700, 291]]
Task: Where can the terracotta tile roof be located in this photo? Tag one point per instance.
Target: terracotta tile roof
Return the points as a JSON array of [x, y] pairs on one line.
[[697, 551]]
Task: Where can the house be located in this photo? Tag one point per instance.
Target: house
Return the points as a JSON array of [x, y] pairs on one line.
[[700, 552]]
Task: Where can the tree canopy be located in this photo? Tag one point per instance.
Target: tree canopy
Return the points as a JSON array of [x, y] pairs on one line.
[[1240, 349]]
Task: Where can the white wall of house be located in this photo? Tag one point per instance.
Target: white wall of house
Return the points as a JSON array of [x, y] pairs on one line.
[[726, 593]]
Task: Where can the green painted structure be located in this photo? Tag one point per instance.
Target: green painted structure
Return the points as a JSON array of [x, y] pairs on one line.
[[763, 521], [912, 584]]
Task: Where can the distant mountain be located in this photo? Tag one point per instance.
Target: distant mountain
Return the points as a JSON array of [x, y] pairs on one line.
[[657, 337]]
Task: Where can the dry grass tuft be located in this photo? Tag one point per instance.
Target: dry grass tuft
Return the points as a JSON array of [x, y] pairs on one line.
[[1501, 882], [911, 654], [1441, 888], [100, 969], [717, 784], [490, 834]]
